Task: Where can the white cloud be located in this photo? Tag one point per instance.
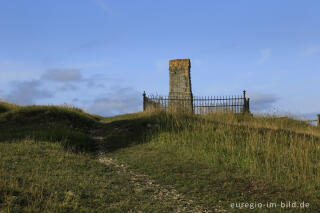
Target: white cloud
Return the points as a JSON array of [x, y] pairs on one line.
[[118, 101], [68, 76], [259, 102], [67, 87], [62, 75], [98, 80], [27, 92], [265, 55], [103, 5], [311, 51], [75, 100]]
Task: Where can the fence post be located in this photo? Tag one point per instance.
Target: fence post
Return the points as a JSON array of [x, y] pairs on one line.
[[248, 105], [244, 102], [144, 100], [318, 120]]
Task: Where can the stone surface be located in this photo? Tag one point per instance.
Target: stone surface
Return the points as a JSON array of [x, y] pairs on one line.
[[180, 93]]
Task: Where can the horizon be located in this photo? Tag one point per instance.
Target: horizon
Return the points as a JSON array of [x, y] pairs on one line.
[[101, 55]]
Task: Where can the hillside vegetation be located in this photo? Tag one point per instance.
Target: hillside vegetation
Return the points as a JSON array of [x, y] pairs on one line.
[[48, 160], [68, 125]]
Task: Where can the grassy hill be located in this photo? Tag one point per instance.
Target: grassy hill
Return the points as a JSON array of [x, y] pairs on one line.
[[68, 125], [48, 161]]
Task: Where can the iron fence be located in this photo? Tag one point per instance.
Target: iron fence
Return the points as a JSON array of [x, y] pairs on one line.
[[313, 122], [200, 105]]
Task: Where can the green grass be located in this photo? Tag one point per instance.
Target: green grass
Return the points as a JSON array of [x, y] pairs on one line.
[[5, 107], [68, 125], [44, 177], [222, 159], [215, 160]]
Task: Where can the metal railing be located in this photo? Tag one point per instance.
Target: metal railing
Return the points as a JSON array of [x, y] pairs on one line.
[[199, 105]]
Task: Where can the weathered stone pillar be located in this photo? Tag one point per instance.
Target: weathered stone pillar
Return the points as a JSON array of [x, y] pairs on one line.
[[180, 94]]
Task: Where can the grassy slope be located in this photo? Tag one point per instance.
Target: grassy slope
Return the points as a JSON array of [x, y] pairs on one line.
[[68, 125], [40, 172], [43, 177], [217, 161], [214, 160]]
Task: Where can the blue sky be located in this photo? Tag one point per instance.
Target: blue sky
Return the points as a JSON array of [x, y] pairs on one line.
[[100, 55]]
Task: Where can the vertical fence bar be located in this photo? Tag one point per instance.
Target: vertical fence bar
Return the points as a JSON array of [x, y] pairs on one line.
[[197, 103], [204, 105], [201, 101], [318, 120], [144, 100], [231, 101], [208, 104], [239, 104], [223, 104], [244, 101], [236, 103], [232, 104], [194, 104]]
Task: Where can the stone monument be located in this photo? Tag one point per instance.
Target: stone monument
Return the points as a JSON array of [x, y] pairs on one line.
[[180, 94]]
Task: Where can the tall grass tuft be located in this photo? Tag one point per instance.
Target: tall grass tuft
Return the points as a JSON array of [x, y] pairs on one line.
[[280, 150]]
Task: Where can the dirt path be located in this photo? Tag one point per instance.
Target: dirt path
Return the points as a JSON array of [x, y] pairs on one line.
[[142, 182]]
